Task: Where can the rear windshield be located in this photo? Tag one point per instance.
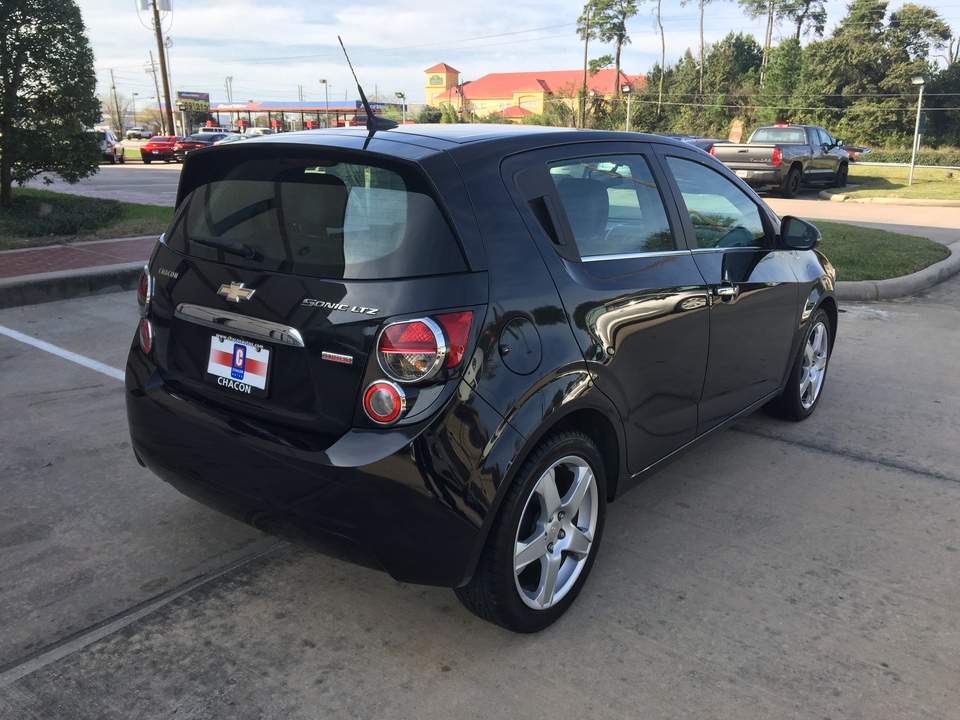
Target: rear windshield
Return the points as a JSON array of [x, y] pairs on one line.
[[320, 218], [779, 135]]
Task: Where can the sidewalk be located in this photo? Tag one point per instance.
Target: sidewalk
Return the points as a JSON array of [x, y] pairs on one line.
[[58, 272]]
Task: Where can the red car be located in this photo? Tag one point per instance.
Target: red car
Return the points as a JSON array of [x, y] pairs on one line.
[[159, 147]]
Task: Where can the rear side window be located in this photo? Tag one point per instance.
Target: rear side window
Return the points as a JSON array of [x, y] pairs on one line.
[[613, 205], [318, 218]]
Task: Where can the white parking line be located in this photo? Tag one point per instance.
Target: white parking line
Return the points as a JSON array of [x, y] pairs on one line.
[[65, 354]]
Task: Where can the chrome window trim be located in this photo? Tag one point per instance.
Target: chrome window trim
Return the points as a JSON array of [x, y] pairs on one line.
[[710, 251], [630, 256], [240, 324]]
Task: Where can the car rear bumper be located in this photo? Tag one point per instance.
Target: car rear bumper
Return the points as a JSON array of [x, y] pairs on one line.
[[409, 501], [756, 177]]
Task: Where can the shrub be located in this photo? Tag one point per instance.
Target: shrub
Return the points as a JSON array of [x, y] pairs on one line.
[[944, 157], [32, 216]]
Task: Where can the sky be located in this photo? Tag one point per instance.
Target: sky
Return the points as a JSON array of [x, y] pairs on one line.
[[279, 50]]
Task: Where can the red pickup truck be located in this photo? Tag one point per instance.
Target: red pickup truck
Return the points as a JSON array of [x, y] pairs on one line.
[[784, 157]]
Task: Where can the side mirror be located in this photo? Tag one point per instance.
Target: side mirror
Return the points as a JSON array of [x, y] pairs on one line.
[[838, 143], [798, 234]]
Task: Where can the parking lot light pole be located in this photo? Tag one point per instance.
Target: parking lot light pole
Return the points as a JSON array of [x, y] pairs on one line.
[[916, 80], [133, 98], [326, 103], [403, 105], [628, 91]]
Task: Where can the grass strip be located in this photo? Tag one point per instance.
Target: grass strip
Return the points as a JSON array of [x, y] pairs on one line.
[[43, 217], [860, 253], [893, 182]]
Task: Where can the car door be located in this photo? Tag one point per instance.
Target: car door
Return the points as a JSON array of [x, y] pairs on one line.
[[631, 290], [754, 308]]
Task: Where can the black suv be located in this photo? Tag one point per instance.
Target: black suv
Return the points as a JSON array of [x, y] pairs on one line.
[[442, 350]]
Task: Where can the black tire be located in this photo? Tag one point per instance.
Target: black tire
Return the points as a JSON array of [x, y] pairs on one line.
[[790, 187], [841, 178], [543, 529], [122, 158], [113, 159], [146, 160], [807, 375]]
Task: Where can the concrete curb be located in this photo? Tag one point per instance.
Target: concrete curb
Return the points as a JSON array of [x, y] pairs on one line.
[[65, 284], [840, 197], [866, 290]]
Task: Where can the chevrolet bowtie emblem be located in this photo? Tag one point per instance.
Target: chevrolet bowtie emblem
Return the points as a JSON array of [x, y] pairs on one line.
[[235, 292]]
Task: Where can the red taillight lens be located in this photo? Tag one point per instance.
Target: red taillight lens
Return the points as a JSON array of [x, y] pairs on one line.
[[457, 328], [384, 402], [712, 152], [777, 156], [146, 335], [144, 290], [411, 351], [417, 350]]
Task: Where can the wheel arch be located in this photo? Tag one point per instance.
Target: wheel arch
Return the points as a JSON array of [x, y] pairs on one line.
[[543, 413]]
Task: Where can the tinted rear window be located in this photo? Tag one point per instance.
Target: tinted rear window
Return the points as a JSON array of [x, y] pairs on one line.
[[324, 219]]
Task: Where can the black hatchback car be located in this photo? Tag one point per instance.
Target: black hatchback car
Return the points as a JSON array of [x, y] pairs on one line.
[[440, 351]]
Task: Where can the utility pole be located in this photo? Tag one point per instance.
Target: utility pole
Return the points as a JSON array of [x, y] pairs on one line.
[[168, 106], [165, 129], [115, 110], [767, 42]]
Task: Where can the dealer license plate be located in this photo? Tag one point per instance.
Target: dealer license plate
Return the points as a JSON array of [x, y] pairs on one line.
[[239, 365], [743, 173]]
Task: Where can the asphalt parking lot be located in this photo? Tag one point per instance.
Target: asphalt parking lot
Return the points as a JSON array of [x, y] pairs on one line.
[[780, 571]]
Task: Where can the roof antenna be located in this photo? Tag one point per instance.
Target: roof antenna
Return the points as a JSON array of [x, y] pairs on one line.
[[374, 122]]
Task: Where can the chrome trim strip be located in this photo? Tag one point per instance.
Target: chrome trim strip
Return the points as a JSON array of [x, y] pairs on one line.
[[628, 256], [711, 251], [240, 324]]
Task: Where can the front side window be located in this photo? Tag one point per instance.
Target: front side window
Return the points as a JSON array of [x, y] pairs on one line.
[[722, 214], [324, 219], [613, 205]]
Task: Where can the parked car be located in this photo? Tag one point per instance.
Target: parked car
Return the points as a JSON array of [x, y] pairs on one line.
[[195, 142], [159, 147], [138, 133], [784, 157], [232, 138], [855, 152], [260, 131], [441, 350], [705, 144], [111, 150]]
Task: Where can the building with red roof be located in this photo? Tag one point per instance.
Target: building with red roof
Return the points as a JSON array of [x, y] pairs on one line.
[[520, 94]]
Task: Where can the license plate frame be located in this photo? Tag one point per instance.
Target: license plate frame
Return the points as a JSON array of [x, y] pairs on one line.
[[239, 366]]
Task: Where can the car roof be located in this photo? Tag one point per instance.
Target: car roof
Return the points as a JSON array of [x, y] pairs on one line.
[[447, 137]]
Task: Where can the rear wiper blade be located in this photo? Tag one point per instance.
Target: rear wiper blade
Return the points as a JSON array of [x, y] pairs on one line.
[[235, 247]]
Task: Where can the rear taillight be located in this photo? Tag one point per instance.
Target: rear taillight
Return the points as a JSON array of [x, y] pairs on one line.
[[146, 335], [144, 291], [711, 151], [384, 402], [416, 350], [777, 156]]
